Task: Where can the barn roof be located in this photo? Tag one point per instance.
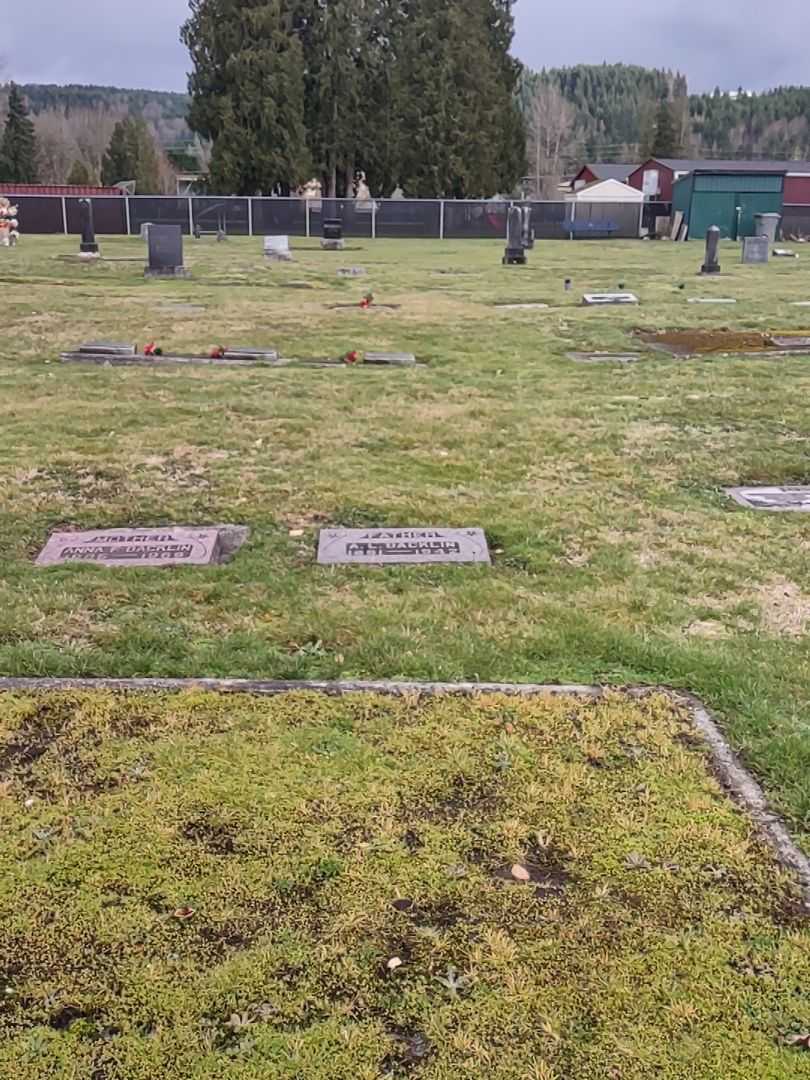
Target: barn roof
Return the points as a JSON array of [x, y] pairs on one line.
[[609, 170], [707, 165]]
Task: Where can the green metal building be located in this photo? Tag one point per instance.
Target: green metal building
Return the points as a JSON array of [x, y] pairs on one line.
[[728, 200]]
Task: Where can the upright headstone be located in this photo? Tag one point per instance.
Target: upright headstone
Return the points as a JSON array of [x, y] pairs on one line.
[[711, 263], [527, 233], [165, 252], [277, 248], [515, 252], [88, 245], [332, 238], [756, 249]]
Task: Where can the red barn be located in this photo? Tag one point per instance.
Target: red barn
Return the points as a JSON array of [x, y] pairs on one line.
[[601, 170]]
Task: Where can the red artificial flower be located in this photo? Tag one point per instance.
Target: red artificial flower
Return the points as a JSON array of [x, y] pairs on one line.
[[352, 357], [217, 352]]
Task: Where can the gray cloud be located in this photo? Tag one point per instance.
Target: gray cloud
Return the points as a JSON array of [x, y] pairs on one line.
[[728, 43]]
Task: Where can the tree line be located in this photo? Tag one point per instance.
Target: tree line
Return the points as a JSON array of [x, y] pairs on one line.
[[415, 94], [623, 112]]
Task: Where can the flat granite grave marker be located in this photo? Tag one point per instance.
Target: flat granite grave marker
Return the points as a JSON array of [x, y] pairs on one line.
[[351, 271], [165, 252], [597, 299], [755, 249], [167, 546], [774, 499], [392, 546], [107, 348], [710, 300]]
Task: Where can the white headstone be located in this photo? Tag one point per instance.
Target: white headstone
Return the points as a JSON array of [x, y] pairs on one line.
[[277, 247]]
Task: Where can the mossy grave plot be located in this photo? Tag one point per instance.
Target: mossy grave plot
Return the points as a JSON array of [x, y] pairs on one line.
[[320, 888]]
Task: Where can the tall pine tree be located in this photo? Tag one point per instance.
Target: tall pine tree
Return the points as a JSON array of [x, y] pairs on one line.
[[132, 155], [666, 142], [247, 91], [18, 151]]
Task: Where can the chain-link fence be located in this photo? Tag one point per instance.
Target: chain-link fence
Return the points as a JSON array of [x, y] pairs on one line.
[[364, 218]]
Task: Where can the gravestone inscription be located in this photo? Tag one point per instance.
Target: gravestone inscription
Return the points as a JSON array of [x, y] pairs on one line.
[[756, 249], [596, 299], [168, 546], [391, 546], [776, 499]]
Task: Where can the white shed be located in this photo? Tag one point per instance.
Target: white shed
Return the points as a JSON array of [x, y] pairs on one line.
[[605, 191]]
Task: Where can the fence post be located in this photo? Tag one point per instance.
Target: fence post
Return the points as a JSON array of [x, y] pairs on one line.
[[250, 217], [64, 215], [573, 215], [441, 220], [374, 219], [190, 217], [641, 218], [306, 207], [126, 211]]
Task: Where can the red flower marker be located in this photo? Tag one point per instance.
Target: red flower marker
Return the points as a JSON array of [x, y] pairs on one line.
[[352, 357], [152, 349], [217, 352]]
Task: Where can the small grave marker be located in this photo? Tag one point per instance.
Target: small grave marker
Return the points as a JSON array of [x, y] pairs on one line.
[[167, 546], [387, 358], [755, 249], [351, 271], [521, 307], [165, 252], [88, 245], [711, 262], [515, 254], [332, 238], [711, 300], [394, 546], [604, 358], [105, 348], [597, 299], [783, 253], [277, 248], [775, 499]]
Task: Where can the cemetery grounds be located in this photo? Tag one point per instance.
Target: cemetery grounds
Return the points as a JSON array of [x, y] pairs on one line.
[[195, 885]]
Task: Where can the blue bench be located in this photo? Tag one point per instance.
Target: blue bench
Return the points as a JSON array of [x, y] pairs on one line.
[[586, 228]]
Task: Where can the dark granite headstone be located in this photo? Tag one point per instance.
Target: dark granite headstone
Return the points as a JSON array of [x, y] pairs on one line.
[[756, 249], [775, 499], [168, 546], [165, 251], [711, 263], [515, 252], [107, 348], [391, 546], [88, 244]]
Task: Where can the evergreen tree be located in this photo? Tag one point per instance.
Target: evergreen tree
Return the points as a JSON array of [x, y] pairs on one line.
[[132, 155], [79, 174], [18, 151], [247, 91], [665, 144]]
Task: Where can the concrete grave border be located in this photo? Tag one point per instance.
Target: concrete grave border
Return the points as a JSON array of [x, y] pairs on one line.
[[741, 786]]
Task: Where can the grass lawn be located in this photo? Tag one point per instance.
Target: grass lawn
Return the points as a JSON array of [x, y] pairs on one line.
[[308, 888], [617, 559]]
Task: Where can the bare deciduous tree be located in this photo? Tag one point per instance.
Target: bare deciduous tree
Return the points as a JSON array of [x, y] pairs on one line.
[[551, 138]]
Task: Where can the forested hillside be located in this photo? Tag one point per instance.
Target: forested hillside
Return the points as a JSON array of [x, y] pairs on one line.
[[612, 109], [165, 111]]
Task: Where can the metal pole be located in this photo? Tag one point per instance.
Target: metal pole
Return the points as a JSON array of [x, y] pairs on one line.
[[374, 220], [126, 210], [441, 220], [250, 217], [306, 206], [641, 217], [573, 215], [64, 215], [190, 217]]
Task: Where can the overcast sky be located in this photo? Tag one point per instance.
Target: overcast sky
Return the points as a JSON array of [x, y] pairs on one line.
[[729, 43]]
